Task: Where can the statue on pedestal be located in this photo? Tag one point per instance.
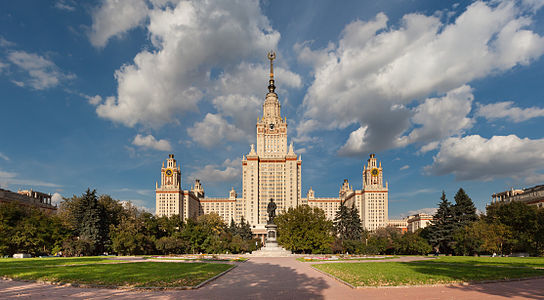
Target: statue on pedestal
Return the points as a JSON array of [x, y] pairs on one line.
[[271, 210]]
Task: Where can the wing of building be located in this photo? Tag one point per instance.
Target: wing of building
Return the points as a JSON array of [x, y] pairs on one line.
[[272, 170]]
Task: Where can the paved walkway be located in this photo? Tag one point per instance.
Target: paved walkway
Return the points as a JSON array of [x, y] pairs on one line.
[[281, 278]]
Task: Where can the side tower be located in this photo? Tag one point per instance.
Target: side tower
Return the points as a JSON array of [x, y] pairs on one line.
[[169, 196], [374, 208], [272, 170]]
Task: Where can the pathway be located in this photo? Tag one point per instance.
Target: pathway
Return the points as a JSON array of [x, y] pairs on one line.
[[281, 278]]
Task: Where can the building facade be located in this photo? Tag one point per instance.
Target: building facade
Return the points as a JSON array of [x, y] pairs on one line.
[[530, 196], [29, 198], [272, 170]]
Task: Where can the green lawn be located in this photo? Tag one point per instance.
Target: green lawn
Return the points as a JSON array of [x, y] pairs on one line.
[[417, 273], [140, 274], [303, 259], [530, 262], [51, 261], [240, 259]]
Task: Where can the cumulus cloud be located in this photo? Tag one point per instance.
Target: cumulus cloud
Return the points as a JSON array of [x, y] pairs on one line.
[[3, 156], [405, 167], [507, 110], [427, 210], [115, 17], [229, 170], [56, 198], [213, 129], [149, 141], [192, 43], [68, 5], [41, 73], [477, 158], [375, 70], [7, 178], [439, 118]]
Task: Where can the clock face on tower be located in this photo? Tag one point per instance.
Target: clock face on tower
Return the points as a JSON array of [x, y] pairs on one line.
[[375, 172], [271, 126], [169, 172]]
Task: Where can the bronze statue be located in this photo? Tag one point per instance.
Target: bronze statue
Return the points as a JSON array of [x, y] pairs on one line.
[[271, 210]]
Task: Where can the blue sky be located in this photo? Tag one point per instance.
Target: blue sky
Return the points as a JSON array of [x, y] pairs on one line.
[[447, 94]]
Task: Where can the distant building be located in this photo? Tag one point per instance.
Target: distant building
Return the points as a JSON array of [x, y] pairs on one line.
[[411, 223], [530, 196], [29, 198], [272, 170], [418, 221]]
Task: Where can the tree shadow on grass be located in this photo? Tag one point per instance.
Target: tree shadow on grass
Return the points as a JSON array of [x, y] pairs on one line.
[[531, 289], [250, 280]]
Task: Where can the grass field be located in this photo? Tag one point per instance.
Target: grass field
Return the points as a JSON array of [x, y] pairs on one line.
[[52, 261], [239, 259], [443, 270], [139, 274], [529, 262], [309, 259]]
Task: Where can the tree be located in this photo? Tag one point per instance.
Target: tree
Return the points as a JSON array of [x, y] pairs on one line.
[[481, 237], [464, 211], [135, 233], [440, 232], [412, 244], [304, 230], [522, 221]]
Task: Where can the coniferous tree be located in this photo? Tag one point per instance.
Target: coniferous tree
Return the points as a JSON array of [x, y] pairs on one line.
[[245, 230], [463, 211], [355, 228], [342, 222], [440, 232]]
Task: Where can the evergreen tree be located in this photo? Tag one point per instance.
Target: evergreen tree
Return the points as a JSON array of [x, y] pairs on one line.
[[342, 222], [355, 228], [440, 232], [464, 211], [245, 230], [90, 221]]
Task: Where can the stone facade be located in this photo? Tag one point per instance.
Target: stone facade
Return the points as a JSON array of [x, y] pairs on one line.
[[530, 196], [29, 198], [272, 170]]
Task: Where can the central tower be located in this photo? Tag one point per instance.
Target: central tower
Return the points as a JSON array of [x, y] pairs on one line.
[[272, 171]]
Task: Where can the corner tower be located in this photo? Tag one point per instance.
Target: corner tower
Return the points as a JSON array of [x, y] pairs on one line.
[[374, 208], [168, 196], [272, 170]]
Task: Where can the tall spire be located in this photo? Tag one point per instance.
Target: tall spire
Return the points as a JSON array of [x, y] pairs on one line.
[[271, 57]]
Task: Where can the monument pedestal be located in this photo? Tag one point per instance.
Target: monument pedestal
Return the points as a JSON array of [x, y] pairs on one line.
[[271, 248]]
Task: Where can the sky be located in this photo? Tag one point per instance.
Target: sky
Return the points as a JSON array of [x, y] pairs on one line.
[[448, 94]]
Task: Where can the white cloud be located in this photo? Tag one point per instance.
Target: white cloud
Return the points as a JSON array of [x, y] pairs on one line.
[[192, 42], [375, 70], [149, 141], [506, 110], [3, 156], [56, 198], [427, 210], [229, 170], [7, 178], [214, 129], [476, 158], [5, 43], [115, 17], [441, 117], [94, 100], [405, 167], [41, 73], [67, 5]]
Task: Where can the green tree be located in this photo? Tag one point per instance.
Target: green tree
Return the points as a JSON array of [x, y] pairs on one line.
[[463, 211], [412, 244], [481, 237], [522, 221], [305, 230], [440, 232], [135, 233]]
